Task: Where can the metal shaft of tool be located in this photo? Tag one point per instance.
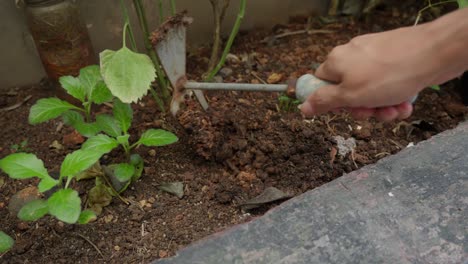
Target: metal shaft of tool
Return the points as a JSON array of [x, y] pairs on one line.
[[237, 87]]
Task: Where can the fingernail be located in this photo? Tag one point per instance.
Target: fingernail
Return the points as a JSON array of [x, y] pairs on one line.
[[306, 108]]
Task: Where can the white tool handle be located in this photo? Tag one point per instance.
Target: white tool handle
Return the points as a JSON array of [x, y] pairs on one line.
[[308, 84]]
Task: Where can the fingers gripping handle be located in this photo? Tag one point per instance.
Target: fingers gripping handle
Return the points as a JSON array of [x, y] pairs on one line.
[[308, 84]]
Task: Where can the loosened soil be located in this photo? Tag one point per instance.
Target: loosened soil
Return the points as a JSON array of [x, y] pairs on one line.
[[240, 146]]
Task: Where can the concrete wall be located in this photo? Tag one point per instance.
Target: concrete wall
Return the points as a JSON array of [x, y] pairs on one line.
[[20, 64]]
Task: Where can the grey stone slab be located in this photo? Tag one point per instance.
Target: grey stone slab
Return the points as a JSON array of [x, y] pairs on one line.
[[408, 208]]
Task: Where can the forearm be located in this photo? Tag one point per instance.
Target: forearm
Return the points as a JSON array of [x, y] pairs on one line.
[[449, 35]]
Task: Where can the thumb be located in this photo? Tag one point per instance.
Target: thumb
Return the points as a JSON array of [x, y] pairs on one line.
[[323, 100]]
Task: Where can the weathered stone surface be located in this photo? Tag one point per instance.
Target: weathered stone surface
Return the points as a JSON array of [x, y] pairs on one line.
[[408, 208]]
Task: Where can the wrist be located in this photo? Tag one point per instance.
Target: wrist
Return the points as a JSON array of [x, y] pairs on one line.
[[448, 51]]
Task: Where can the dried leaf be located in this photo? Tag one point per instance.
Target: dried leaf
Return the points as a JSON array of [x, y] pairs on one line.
[[274, 78], [99, 197], [176, 188], [21, 198], [269, 195], [91, 173], [74, 138], [56, 145]]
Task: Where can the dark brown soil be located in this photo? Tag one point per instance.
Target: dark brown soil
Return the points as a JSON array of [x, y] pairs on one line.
[[231, 153]]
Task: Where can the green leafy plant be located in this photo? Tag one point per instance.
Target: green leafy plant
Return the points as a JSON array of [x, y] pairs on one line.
[[64, 202], [6, 242], [124, 77], [88, 88], [116, 128]]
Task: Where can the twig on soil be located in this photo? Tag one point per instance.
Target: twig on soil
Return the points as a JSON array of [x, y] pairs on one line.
[[143, 231], [327, 122], [396, 144], [91, 243], [258, 77], [13, 107], [354, 159], [298, 32], [382, 154]]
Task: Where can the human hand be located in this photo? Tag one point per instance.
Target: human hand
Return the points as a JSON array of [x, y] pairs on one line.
[[376, 75]]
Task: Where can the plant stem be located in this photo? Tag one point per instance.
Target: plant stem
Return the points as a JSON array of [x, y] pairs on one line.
[[68, 181], [127, 21], [218, 20], [126, 149], [232, 36], [430, 5], [124, 35], [173, 7], [88, 112], [158, 100], [161, 12], [133, 145], [216, 36], [149, 47], [114, 190]]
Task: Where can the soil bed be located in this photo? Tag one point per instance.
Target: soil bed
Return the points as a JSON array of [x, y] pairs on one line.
[[225, 156]]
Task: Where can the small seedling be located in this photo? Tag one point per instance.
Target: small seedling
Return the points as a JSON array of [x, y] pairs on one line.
[[21, 147], [116, 132], [287, 104], [64, 202], [89, 88]]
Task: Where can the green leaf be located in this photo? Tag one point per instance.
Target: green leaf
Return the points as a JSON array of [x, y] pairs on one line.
[[123, 113], [78, 161], [101, 143], [123, 172], [127, 74], [157, 137], [33, 210], [123, 140], [462, 3], [6, 242], [73, 87], [47, 183], [76, 120], [48, 108], [23, 166], [65, 205], [101, 93], [89, 77], [109, 125], [87, 216]]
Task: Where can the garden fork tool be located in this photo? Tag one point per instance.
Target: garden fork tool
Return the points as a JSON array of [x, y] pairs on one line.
[[169, 42]]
